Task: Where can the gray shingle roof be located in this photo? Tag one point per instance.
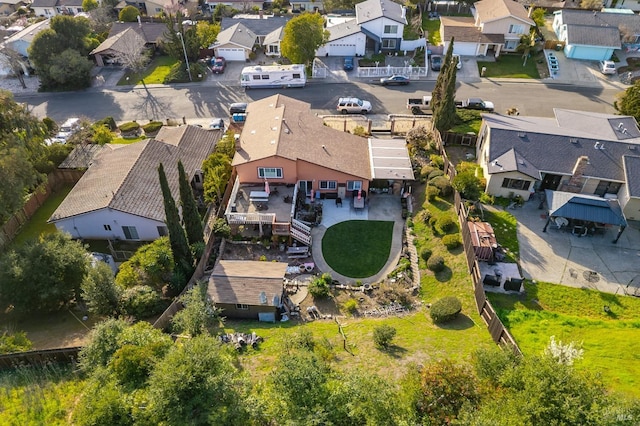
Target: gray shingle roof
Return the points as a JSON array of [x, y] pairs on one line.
[[237, 34], [150, 31], [632, 173], [125, 177], [373, 9], [463, 29], [593, 36], [261, 27], [336, 32], [553, 146], [601, 19], [44, 3]]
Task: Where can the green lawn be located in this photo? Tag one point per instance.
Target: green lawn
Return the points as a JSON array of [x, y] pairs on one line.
[[504, 226], [510, 66], [155, 73], [38, 225], [609, 340], [467, 121], [432, 26], [357, 248], [126, 141]]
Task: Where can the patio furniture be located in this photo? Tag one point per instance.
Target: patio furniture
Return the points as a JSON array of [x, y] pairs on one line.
[[259, 197], [491, 280], [298, 252], [338, 202], [513, 284]]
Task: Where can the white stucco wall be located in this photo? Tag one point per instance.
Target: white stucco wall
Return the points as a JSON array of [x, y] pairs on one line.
[[377, 27], [92, 225]]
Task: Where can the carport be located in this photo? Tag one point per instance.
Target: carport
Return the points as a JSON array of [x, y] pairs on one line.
[[390, 159], [585, 212]]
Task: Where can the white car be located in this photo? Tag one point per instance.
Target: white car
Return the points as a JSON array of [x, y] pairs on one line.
[[353, 106], [607, 67], [68, 128], [457, 60]]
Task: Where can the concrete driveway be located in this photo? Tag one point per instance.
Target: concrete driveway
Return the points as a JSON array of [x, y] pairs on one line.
[[592, 262]]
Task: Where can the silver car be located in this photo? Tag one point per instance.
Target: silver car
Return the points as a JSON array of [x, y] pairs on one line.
[[353, 106]]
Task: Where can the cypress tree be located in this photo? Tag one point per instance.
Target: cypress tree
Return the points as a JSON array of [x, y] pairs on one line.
[[441, 82], [179, 246], [190, 216], [444, 113]]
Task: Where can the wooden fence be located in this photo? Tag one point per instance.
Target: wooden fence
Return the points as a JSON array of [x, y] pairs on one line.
[[55, 180], [498, 331], [39, 358]]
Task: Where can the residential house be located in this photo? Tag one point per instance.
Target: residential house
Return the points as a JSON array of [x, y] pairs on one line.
[[283, 144], [119, 196], [21, 41], [241, 5], [248, 289], [152, 32], [121, 38], [268, 29], [306, 6], [496, 26], [634, 6], [595, 35], [576, 151], [7, 7], [50, 8], [377, 26], [235, 43]]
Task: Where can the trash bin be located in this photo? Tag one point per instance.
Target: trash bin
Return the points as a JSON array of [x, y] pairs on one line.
[[483, 71], [558, 47]]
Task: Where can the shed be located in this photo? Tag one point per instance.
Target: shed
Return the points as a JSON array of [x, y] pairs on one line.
[[483, 240]]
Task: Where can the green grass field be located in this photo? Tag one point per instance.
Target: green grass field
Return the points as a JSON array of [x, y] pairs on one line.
[[127, 141], [155, 73], [609, 339], [38, 225], [432, 26], [357, 248], [504, 227], [510, 66]]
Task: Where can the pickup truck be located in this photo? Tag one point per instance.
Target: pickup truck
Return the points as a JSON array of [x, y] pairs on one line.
[[475, 103], [419, 105]]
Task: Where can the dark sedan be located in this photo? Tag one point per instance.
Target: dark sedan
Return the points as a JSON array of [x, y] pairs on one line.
[[400, 80]]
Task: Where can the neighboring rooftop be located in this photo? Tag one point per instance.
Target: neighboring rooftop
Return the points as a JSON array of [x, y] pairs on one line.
[[237, 34], [260, 27], [491, 10], [247, 282], [373, 9]]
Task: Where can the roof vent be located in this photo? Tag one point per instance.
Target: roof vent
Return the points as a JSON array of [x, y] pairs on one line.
[[573, 140], [620, 126], [522, 134], [253, 132], [625, 131], [521, 162], [632, 147], [596, 145]]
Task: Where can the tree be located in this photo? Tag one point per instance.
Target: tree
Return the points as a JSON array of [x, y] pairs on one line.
[[303, 35], [207, 33], [628, 102], [444, 110], [129, 14], [151, 265], [12, 60], [466, 182], [179, 246], [190, 216], [102, 135], [100, 291], [176, 34], [195, 384], [43, 275], [217, 171], [438, 92], [199, 313], [89, 5], [63, 47], [132, 52], [538, 16], [383, 336]]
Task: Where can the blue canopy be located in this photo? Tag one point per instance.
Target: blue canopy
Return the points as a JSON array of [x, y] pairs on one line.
[[589, 208]]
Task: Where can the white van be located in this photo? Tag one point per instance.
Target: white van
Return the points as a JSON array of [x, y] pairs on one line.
[[607, 67], [68, 128]]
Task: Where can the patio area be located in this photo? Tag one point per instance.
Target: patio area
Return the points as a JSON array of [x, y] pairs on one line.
[[279, 201]]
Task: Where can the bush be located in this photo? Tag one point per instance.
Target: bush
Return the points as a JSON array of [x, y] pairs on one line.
[[443, 184], [140, 302], [451, 241], [433, 220], [359, 131], [383, 335], [435, 263], [319, 287], [423, 216], [351, 306], [487, 199], [129, 127], [107, 121], [445, 224], [425, 253], [129, 14], [52, 126], [445, 309], [434, 174], [432, 192], [437, 160], [16, 342], [152, 126], [425, 171]]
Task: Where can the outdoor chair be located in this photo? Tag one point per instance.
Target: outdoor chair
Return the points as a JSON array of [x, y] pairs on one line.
[[513, 284], [491, 280]]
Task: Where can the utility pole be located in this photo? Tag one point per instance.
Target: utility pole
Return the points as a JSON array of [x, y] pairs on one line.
[[184, 49]]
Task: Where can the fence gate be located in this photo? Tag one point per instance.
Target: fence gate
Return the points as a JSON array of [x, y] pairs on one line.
[[319, 69]]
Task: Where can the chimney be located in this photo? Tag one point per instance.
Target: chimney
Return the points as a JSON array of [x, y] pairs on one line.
[[576, 180], [236, 139], [404, 12]]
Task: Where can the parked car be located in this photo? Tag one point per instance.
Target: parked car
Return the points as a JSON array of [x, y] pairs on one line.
[[347, 65], [395, 79], [68, 128], [457, 60], [607, 67], [353, 106], [106, 258], [218, 65], [436, 62], [238, 108], [217, 124]]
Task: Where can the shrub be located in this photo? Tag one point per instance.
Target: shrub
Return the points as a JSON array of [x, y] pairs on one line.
[[319, 287], [433, 220], [351, 306], [16, 342], [487, 199], [302, 339], [140, 302], [359, 131], [445, 224], [129, 127], [434, 174], [383, 335], [425, 171], [221, 228], [107, 121], [425, 253], [152, 126], [423, 216], [443, 184], [435, 263], [445, 309], [437, 160], [129, 14], [451, 241], [52, 126], [432, 192]]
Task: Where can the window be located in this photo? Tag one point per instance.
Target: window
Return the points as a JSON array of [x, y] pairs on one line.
[[389, 43], [265, 76], [107, 227], [354, 185], [163, 231], [328, 184], [256, 77], [158, 9], [516, 29], [296, 76], [242, 307], [516, 184], [605, 187], [391, 29], [510, 44], [269, 172], [130, 232], [273, 48]]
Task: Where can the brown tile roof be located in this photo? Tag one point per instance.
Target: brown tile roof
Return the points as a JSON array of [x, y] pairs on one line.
[[464, 30], [242, 282], [285, 127], [125, 177], [491, 10]]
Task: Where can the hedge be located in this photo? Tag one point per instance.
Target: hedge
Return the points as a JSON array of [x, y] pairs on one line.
[[445, 309], [152, 126], [451, 241], [129, 127], [435, 263]]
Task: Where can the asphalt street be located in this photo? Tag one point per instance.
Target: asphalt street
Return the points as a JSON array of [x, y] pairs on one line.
[[203, 101]]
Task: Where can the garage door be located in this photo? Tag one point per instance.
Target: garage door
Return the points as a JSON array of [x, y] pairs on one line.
[[464, 49], [342, 49], [230, 54]]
